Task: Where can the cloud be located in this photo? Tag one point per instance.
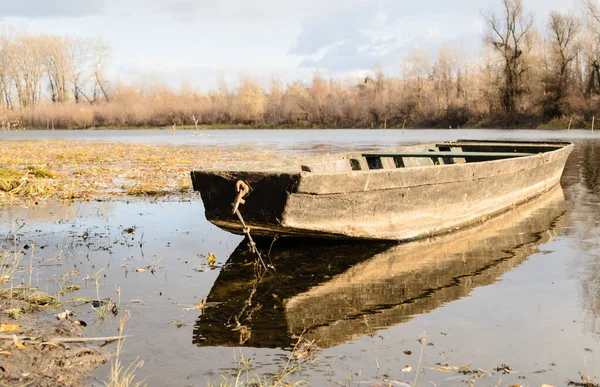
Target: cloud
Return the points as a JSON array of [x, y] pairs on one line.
[[51, 8], [360, 34], [236, 10], [322, 29]]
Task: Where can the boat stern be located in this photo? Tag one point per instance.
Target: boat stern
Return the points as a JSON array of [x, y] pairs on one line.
[[264, 204]]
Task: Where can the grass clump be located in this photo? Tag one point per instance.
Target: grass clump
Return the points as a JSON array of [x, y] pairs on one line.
[[145, 190], [33, 181], [32, 297], [68, 289], [9, 179], [41, 173]]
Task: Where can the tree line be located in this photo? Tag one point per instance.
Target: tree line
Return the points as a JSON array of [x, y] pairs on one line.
[[524, 76]]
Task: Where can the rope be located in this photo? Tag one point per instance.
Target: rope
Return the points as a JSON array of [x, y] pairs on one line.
[[242, 190]]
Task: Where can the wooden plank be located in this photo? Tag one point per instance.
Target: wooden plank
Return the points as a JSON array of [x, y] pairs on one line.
[[499, 144], [478, 155], [388, 163], [514, 142], [338, 166]]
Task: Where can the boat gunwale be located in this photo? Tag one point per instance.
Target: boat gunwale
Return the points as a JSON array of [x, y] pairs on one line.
[[441, 166], [347, 156], [390, 179]]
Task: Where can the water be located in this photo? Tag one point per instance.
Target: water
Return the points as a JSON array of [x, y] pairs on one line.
[[292, 141], [522, 290]]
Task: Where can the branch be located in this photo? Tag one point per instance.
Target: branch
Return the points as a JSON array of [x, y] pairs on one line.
[[59, 340]]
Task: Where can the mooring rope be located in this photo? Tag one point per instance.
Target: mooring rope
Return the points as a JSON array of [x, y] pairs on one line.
[[242, 190]]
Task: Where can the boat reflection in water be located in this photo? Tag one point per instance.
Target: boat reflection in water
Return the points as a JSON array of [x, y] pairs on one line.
[[337, 292]]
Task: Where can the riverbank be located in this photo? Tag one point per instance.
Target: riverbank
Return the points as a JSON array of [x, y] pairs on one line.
[[555, 124], [575, 122]]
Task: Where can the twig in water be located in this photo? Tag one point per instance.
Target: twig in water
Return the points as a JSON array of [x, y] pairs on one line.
[[58, 340], [423, 341]]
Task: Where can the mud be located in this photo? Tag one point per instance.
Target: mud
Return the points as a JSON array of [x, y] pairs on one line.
[[39, 362]]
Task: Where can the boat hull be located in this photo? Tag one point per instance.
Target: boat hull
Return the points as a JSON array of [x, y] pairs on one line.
[[388, 204]]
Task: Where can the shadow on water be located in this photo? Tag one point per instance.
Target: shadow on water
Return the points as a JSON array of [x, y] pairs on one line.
[[583, 191], [338, 292], [590, 167]]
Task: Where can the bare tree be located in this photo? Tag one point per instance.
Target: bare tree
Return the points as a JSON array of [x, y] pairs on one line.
[[591, 12], [24, 55], [563, 50], [79, 57], [507, 35], [443, 77], [5, 81], [416, 73], [563, 45], [58, 66], [101, 53]]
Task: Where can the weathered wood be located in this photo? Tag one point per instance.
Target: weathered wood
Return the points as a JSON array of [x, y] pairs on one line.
[[398, 203], [467, 155]]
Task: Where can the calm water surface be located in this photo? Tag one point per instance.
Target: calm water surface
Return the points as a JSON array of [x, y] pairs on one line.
[[522, 290]]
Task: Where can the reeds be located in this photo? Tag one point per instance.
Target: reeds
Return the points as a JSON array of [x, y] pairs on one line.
[[121, 376]]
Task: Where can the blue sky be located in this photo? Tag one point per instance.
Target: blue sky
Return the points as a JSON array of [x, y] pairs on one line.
[[202, 41]]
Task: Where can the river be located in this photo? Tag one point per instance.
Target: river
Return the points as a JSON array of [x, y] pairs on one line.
[[517, 298]]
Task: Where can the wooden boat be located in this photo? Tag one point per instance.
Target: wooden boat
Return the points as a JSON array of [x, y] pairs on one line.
[[332, 291], [401, 194]]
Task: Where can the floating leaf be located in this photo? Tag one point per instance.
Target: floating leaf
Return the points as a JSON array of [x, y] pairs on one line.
[[8, 327], [212, 259], [18, 343]]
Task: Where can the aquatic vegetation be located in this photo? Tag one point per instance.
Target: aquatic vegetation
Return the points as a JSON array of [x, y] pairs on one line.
[[32, 181], [40, 172], [9, 179], [83, 170], [34, 298]]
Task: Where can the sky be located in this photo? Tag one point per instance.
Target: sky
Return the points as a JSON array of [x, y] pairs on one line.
[[204, 42]]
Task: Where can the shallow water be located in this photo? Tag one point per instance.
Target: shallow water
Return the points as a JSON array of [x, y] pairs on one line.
[[522, 290], [292, 141]]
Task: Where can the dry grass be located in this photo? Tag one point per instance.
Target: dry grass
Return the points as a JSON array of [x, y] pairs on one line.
[[9, 260], [31, 181], [121, 376], [86, 170]]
